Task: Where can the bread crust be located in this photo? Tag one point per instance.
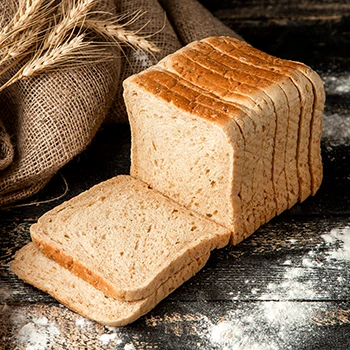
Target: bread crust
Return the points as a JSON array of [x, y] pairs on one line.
[[284, 100], [305, 106]]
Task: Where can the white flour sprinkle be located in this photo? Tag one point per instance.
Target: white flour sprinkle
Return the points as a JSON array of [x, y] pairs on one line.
[[38, 335], [106, 338], [278, 320], [271, 324], [129, 346], [337, 85], [80, 322], [336, 129], [338, 243], [266, 326], [42, 321]]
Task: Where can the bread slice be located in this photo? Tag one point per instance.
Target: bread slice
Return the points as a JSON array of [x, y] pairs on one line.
[[306, 97], [319, 97], [287, 117], [125, 238], [35, 268], [245, 122], [220, 135]]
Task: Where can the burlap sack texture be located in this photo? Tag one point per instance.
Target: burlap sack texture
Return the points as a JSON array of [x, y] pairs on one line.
[[49, 119]]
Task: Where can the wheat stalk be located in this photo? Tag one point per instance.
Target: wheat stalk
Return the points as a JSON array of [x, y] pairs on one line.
[[18, 38], [63, 55], [63, 44], [117, 33], [72, 13], [28, 14]]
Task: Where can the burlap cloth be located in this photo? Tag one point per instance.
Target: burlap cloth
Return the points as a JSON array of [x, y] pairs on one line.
[[47, 120]]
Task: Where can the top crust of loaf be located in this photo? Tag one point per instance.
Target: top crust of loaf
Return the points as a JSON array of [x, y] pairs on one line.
[[125, 238], [185, 57]]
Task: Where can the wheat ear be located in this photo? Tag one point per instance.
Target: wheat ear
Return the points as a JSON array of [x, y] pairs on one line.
[[26, 15], [62, 55], [118, 34], [72, 14], [19, 37], [62, 44]]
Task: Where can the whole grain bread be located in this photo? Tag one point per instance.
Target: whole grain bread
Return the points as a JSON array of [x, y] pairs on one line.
[[125, 238], [222, 132], [35, 268]]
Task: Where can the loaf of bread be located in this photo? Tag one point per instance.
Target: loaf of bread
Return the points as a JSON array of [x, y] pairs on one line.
[[227, 131], [35, 268], [124, 238], [224, 138]]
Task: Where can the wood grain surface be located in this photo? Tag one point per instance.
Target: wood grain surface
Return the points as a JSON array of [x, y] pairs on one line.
[[285, 287]]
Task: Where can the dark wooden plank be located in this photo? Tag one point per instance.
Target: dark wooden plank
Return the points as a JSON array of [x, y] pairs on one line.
[[309, 31], [177, 325], [302, 10]]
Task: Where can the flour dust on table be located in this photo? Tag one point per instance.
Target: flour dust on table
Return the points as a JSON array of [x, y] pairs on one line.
[[278, 320]]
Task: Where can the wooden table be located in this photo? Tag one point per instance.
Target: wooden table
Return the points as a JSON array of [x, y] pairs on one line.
[[286, 287]]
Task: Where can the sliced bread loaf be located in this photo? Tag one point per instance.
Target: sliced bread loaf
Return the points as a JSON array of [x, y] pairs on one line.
[[319, 97], [225, 133], [125, 238], [35, 268]]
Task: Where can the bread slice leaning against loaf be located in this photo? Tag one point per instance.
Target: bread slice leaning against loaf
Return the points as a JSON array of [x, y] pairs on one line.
[[124, 238], [35, 268]]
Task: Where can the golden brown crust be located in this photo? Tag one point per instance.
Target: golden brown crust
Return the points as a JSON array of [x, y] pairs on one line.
[[170, 89], [77, 268], [255, 58]]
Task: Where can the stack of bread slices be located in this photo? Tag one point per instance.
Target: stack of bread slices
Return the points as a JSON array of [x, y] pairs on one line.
[[224, 138]]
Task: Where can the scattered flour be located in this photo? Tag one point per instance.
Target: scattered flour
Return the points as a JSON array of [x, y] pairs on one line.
[[80, 322], [106, 338], [337, 85], [268, 325], [38, 334], [338, 243], [129, 346], [336, 129], [336, 126], [277, 320]]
